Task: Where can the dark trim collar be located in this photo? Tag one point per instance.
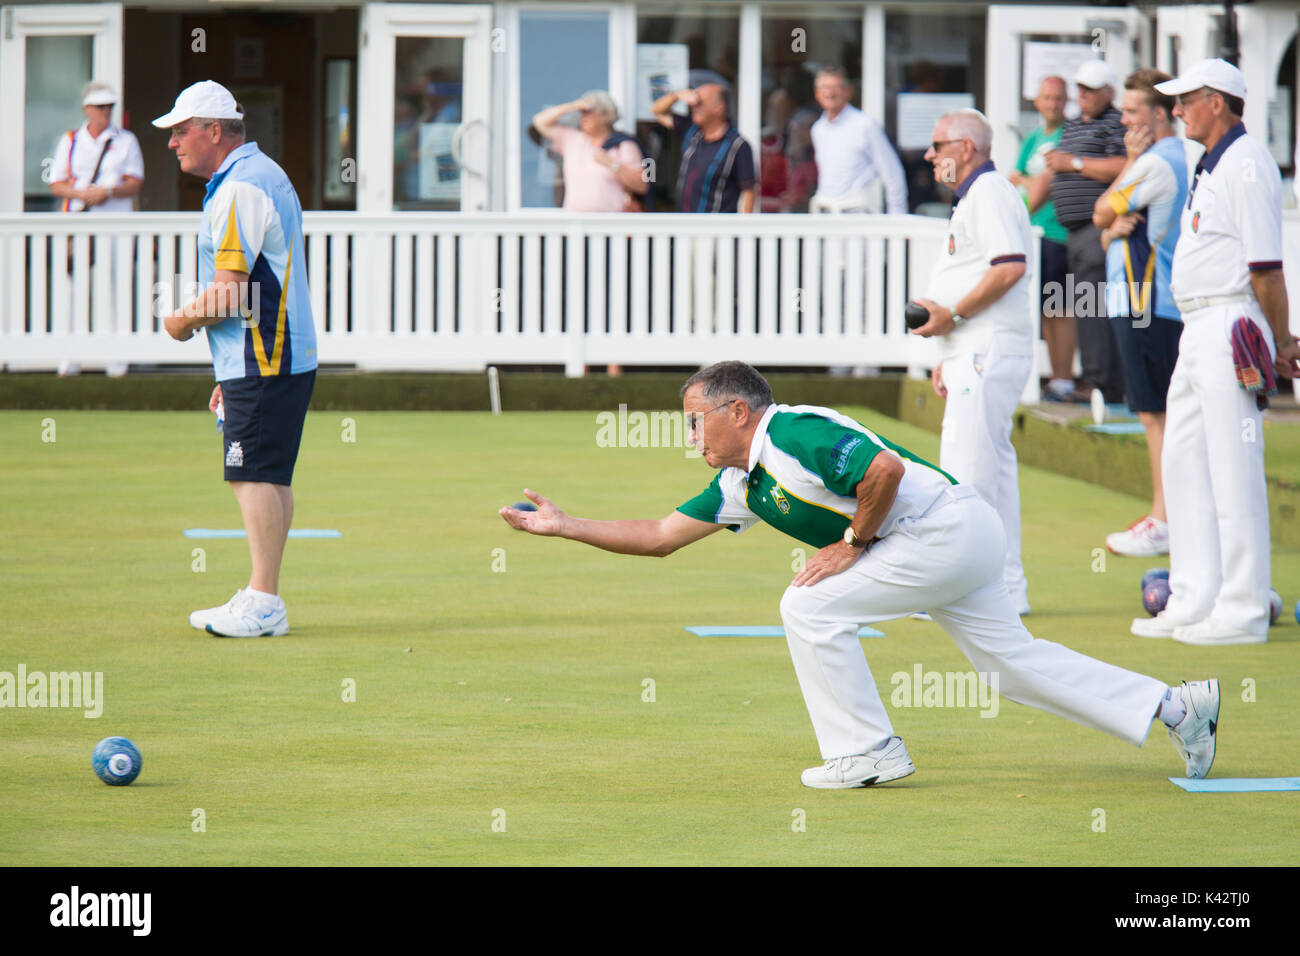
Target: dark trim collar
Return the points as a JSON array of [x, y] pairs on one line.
[[1211, 159], [960, 193]]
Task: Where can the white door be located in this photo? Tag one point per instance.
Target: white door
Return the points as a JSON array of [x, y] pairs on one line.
[[1029, 42], [424, 101], [47, 54]]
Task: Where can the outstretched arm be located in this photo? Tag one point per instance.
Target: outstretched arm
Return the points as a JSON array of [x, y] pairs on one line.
[[652, 538]]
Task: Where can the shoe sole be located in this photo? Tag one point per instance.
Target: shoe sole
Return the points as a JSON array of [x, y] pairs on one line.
[[868, 782], [271, 632]]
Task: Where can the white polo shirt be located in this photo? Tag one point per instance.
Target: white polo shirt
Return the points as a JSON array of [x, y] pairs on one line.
[[1232, 222], [123, 158], [852, 152], [989, 226]]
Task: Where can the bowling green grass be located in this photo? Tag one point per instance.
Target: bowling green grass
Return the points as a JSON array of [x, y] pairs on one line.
[[519, 700]]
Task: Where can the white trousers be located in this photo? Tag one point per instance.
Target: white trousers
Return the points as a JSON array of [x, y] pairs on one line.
[[945, 562], [1215, 490], [975, 447]]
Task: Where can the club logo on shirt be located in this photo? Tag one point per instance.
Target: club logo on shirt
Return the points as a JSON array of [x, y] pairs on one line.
[[1196, 221], [780, 501], [952, 244], [235, 455]]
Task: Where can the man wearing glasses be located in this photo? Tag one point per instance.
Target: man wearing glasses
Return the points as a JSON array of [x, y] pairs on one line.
[[894, 535], [1090, 155], [256, 307], [1227, 282], [979, 305]]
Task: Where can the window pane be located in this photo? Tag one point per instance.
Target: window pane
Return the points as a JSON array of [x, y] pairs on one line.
[[429, 76], [57, 69], [925, 53], [794, 49], [561, 56], [709, 44]]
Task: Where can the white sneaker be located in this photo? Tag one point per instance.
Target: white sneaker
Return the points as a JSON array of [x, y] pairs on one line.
[[1162, 625], [1145, 537], [199, 619], [246, 617], [1212, 632], [921, 616], [1195, 736], [887, 762]]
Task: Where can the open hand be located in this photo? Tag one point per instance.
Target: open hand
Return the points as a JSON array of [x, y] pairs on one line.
[[547, 520], [832, 559]]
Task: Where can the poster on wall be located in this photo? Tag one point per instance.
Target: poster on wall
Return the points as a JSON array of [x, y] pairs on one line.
[[1053, 59], [439, 171], [263, 118], [661, 68], [918, 112]]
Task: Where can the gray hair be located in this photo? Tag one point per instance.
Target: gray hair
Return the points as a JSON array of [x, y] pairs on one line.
[[731, 380], [602, 102], [232, 128], [972, 125]]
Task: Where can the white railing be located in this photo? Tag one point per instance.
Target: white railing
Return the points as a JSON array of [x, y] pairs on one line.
[[462, 291]]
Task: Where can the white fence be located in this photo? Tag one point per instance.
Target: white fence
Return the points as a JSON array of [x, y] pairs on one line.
[[463, 291]]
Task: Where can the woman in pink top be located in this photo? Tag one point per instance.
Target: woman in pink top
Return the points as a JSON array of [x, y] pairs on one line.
[[602, 167]]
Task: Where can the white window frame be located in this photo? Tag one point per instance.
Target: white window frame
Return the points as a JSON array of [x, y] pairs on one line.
[[100, 21], [381, 25]]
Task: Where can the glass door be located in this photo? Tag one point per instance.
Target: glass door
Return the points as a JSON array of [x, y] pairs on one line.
[[47, 54], [424, 78]]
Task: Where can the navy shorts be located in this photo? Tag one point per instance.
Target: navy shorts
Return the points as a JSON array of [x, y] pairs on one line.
[[264, 419], [1054, 263], [1148, 356]]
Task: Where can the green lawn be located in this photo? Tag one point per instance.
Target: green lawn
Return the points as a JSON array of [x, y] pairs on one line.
[[499, 713]]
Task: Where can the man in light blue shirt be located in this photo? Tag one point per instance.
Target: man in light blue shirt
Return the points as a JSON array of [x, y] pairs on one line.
[[256, 307], [1139, 215]]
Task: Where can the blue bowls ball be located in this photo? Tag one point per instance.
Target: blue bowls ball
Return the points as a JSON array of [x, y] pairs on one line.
[[524, 506], [116, 761], [1155, 596], [1153, 575]]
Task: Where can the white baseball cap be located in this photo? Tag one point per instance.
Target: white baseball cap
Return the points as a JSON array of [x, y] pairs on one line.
[[98, 94], [1216, 74], [207, 99], [1094, 74]]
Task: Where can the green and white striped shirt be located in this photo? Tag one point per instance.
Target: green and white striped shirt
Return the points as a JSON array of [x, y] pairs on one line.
[[805, 464]]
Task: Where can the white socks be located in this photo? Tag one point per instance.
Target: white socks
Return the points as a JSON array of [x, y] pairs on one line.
[[262, 599]]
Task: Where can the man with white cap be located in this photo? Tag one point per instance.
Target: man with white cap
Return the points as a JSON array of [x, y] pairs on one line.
[[1087, 159], [98, 167], [256, 307], [1227, 282]]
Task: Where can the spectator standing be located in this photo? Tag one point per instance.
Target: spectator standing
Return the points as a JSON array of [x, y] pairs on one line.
[[979, 303], [602, 167], [717, 170], [1138, 216], [1087, 159], [857, 168], [1034, 180], [97, 167]]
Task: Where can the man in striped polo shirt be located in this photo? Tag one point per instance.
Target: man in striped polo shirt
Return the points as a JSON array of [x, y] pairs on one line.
[[717, 171], [894, 535], [256, 307], [1088, 158]]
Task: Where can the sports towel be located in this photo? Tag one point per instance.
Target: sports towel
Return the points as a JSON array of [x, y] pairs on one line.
[[1253, 362]]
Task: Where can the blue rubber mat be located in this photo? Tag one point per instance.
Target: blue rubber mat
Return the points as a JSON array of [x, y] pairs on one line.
[[1116, 428], [240, 533], [1237, 784], [758, 630]]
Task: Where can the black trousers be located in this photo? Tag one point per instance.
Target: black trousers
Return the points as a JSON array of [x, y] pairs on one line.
[[1098, 353]]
